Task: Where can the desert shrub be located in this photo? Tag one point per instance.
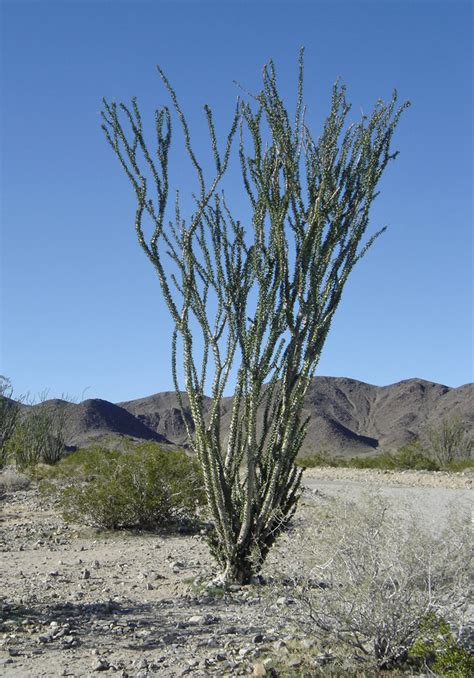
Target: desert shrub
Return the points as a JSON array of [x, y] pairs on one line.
[[79, 466], [438, 650], [9, 412], [144, 488], [459, 465], [416, 456], [413, 457], [385, 461], [448, 441], [39, 436], [371, 580], [11, 481], [319, 459]]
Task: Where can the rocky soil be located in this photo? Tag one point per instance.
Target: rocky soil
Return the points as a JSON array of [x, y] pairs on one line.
[[78, 602]]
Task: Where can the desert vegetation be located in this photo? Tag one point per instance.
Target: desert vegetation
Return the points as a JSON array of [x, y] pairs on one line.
[[388, 595], [259, 299], [141, 487], [447, 446], [32, 434]]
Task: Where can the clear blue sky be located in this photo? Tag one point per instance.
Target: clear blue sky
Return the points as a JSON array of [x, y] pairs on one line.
[[82, 312]]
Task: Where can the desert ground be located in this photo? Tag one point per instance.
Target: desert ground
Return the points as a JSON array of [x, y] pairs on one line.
[[79, 602]]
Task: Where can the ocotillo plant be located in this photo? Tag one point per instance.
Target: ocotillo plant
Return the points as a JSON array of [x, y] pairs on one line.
[[262, 295]]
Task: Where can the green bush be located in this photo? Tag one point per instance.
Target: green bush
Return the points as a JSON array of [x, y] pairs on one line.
[[38, 437], [318, 459], [144, 488], [9, 412], [384, 461], [460, 465], [437, 649], [449, 440], [413, 457], [81, 465], [410, 457]]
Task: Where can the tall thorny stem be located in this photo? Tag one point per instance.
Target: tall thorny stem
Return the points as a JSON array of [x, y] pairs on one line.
[[263, 296]]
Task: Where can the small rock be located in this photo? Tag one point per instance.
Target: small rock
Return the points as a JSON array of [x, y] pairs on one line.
[[14, 652], [62, 631], [203, 619], [101, 665], [141, 663], [149, 587], [258, 638], [86, 574], [244, 651], [259, 669], [178, 565], [234, 588], [196, 620], [70, 641]]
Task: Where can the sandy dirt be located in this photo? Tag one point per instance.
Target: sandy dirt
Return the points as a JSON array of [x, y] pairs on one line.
[[77, 602]]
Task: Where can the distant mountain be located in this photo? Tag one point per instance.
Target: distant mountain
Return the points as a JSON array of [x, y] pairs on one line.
[[347, 416]]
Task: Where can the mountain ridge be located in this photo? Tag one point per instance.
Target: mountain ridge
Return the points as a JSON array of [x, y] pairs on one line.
[[348, 417]]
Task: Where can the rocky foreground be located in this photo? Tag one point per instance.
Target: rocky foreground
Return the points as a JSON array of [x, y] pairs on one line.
[[77, 602]]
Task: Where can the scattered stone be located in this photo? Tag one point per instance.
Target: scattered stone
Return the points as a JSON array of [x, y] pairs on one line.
[[244, 651], [70, 641], [86, 574], [101, 665], [258, 638], [140, 663], [259, 669], [283, 601], [177, 565], [203, 620], [196, 620], [14, 652]]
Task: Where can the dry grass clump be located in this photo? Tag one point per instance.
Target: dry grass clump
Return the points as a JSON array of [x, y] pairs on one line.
[[12, 481], [366, 586]]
